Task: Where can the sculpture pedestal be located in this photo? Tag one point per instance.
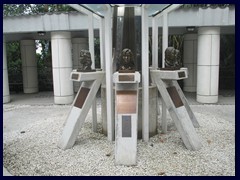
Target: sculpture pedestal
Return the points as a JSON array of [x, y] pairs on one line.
[[90, 83], [126, 110], [177, 105], [153, 112]]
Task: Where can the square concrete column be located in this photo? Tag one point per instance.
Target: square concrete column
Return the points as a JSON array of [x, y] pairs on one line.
[[29, 66], [208, 64], [190, 62], [6, 94], [126, 117], [62, 67], [77, 45]]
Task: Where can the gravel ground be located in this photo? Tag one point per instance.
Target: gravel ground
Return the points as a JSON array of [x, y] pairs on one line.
[[32, 149]]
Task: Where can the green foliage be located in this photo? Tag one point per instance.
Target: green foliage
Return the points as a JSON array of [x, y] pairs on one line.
[[20, 9], [14, 59]]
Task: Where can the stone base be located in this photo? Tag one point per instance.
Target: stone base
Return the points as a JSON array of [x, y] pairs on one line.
[[153, 113], [6, 99], [63, 99], [207, 99], [30, 90], [190, 89]]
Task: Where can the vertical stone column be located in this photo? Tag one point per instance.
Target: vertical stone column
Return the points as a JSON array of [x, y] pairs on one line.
[[6, 94], [190, 62], [208, 64], [77, 45], [29, 66], [62, 67]]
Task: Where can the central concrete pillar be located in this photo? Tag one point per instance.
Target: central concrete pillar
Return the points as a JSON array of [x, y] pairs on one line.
[[6, 94], [153, 116], [29, 66], [190, 62], [208, 64], [77, 45], [62, 67]]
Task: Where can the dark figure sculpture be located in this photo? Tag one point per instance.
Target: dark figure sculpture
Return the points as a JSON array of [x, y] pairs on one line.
[[172, 58], [126, 60], [84, 62]]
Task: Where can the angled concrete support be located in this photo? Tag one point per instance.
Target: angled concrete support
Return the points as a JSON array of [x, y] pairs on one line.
[[177, 105], [91, 82]]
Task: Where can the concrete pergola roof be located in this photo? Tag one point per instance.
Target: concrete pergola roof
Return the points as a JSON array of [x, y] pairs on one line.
[[26, 26]]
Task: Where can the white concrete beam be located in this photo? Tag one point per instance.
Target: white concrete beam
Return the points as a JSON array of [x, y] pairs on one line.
[[154, 44], [84, 10], [164, 38], [102, 43], [168, 10], [109, 73], [145, 77]]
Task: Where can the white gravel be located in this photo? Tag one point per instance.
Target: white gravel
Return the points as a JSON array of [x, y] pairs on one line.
[[33, 149]]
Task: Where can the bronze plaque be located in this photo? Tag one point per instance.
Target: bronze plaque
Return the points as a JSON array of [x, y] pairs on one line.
[[175, 96], [81, 97], [86, 70], [181, 74], [126, 126], [126, 102], [75, 76], [169, 68], [127, 71], [126, 77]]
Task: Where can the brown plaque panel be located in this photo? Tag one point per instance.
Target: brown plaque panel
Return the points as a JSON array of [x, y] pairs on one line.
[[75, 76], [169, 68], [181, 74], [175, 96], [126, 102], [81, 97], [126, 77], [127, 71], [86, 70], [126, 126]]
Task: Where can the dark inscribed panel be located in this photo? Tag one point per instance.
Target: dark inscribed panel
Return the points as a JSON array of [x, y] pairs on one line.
[[175, 96], [181, 74], [81, 97], [126, 126], [75, 76]]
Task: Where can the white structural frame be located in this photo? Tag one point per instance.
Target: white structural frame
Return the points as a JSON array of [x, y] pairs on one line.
[[106, 53], [109, 72], [145, 75], [106, 57], [164, 15]]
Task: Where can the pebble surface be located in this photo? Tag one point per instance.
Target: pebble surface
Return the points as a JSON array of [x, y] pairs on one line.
[[33, 151]]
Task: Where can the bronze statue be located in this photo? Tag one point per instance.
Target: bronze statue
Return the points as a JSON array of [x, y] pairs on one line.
[[126, 60], [172, 58], [84, 62]]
